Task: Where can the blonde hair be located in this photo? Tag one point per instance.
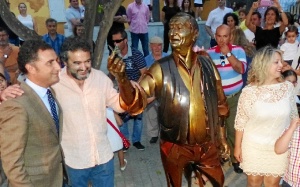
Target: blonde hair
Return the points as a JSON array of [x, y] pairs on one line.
[[239, 38], [261, 62]]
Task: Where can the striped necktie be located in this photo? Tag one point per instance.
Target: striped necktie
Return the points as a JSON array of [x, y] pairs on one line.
[[53, 109]]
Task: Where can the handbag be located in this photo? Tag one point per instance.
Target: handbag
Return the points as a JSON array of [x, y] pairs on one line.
[[126, 142]]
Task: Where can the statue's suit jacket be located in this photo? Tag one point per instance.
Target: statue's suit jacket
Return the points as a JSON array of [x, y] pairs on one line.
[[29, 143]]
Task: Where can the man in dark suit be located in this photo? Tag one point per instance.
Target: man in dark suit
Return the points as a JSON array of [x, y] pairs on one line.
[[30, 125]]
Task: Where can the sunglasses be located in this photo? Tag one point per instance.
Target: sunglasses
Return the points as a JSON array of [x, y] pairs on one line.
[[118, 41], [222, 59]]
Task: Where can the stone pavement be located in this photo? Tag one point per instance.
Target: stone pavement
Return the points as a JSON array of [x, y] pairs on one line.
[[144, 168]]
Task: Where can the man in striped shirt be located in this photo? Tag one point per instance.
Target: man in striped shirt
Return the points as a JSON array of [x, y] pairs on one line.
[[135, 66], [231, 63]]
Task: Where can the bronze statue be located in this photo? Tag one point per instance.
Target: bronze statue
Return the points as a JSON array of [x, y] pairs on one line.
[[192, 105]]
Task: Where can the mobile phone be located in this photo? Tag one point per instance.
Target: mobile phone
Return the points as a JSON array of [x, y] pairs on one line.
[[266, 3]]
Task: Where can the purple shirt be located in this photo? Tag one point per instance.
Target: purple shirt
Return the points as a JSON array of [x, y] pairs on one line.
[[138, 18]]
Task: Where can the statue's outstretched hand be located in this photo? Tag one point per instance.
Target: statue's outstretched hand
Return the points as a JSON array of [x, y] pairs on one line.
[[116, 66]]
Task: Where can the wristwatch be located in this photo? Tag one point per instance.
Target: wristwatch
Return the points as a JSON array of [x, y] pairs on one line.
[[228, 55], [5, 56]]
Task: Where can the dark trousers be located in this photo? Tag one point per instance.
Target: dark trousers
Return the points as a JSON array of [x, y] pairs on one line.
[[144, 40], [166, 37], [285, 184]]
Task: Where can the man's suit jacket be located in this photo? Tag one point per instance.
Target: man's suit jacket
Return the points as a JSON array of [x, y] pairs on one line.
[[29, 143]]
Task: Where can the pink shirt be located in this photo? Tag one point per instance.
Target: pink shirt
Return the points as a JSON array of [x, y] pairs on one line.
[[138, 17], [84, 140], [292, 174]]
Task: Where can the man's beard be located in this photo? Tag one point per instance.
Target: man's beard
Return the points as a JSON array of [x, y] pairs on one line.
[[78, 77]]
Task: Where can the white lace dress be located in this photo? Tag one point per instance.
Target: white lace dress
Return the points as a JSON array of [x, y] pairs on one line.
[[263, 113]]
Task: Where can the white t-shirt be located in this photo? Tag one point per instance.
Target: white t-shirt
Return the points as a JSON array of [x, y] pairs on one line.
[[198, 1], [72, 13], [249, 35], [215, 18], [26, 21], [147, 2], [289, 50]]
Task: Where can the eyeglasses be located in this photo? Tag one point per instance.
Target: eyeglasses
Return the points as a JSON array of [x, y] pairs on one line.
[[222, 59], [118, 41]]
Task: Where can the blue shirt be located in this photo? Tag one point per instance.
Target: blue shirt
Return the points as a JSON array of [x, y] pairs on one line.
[[286, 4], [150, 59], [232, 81], [134, 61], [56, 44]]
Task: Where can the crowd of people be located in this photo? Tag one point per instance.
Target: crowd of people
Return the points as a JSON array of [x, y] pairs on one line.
[[52, 82]]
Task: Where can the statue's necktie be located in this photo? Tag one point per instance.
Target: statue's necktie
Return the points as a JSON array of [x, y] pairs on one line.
[[53, 109]]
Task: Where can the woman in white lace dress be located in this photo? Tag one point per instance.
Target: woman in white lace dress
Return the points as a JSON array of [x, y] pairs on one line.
[[265, 109]]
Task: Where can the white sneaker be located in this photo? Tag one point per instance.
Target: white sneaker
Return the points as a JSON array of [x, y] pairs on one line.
[[124, 167]]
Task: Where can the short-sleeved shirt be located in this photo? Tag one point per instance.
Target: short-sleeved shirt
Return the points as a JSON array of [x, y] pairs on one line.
[[170, 12], [26, 21], [289, 50], [215, 18], [267, 37], [198, 1], [292, 174], [56, 44], [249, 35], [73, 13], [134, 61], [232, 81], [147, 2]]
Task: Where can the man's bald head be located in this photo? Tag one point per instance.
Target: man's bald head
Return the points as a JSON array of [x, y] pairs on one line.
[[223, 35], [223, 28]]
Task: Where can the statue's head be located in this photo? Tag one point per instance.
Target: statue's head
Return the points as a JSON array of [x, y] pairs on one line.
[[183, 32]]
